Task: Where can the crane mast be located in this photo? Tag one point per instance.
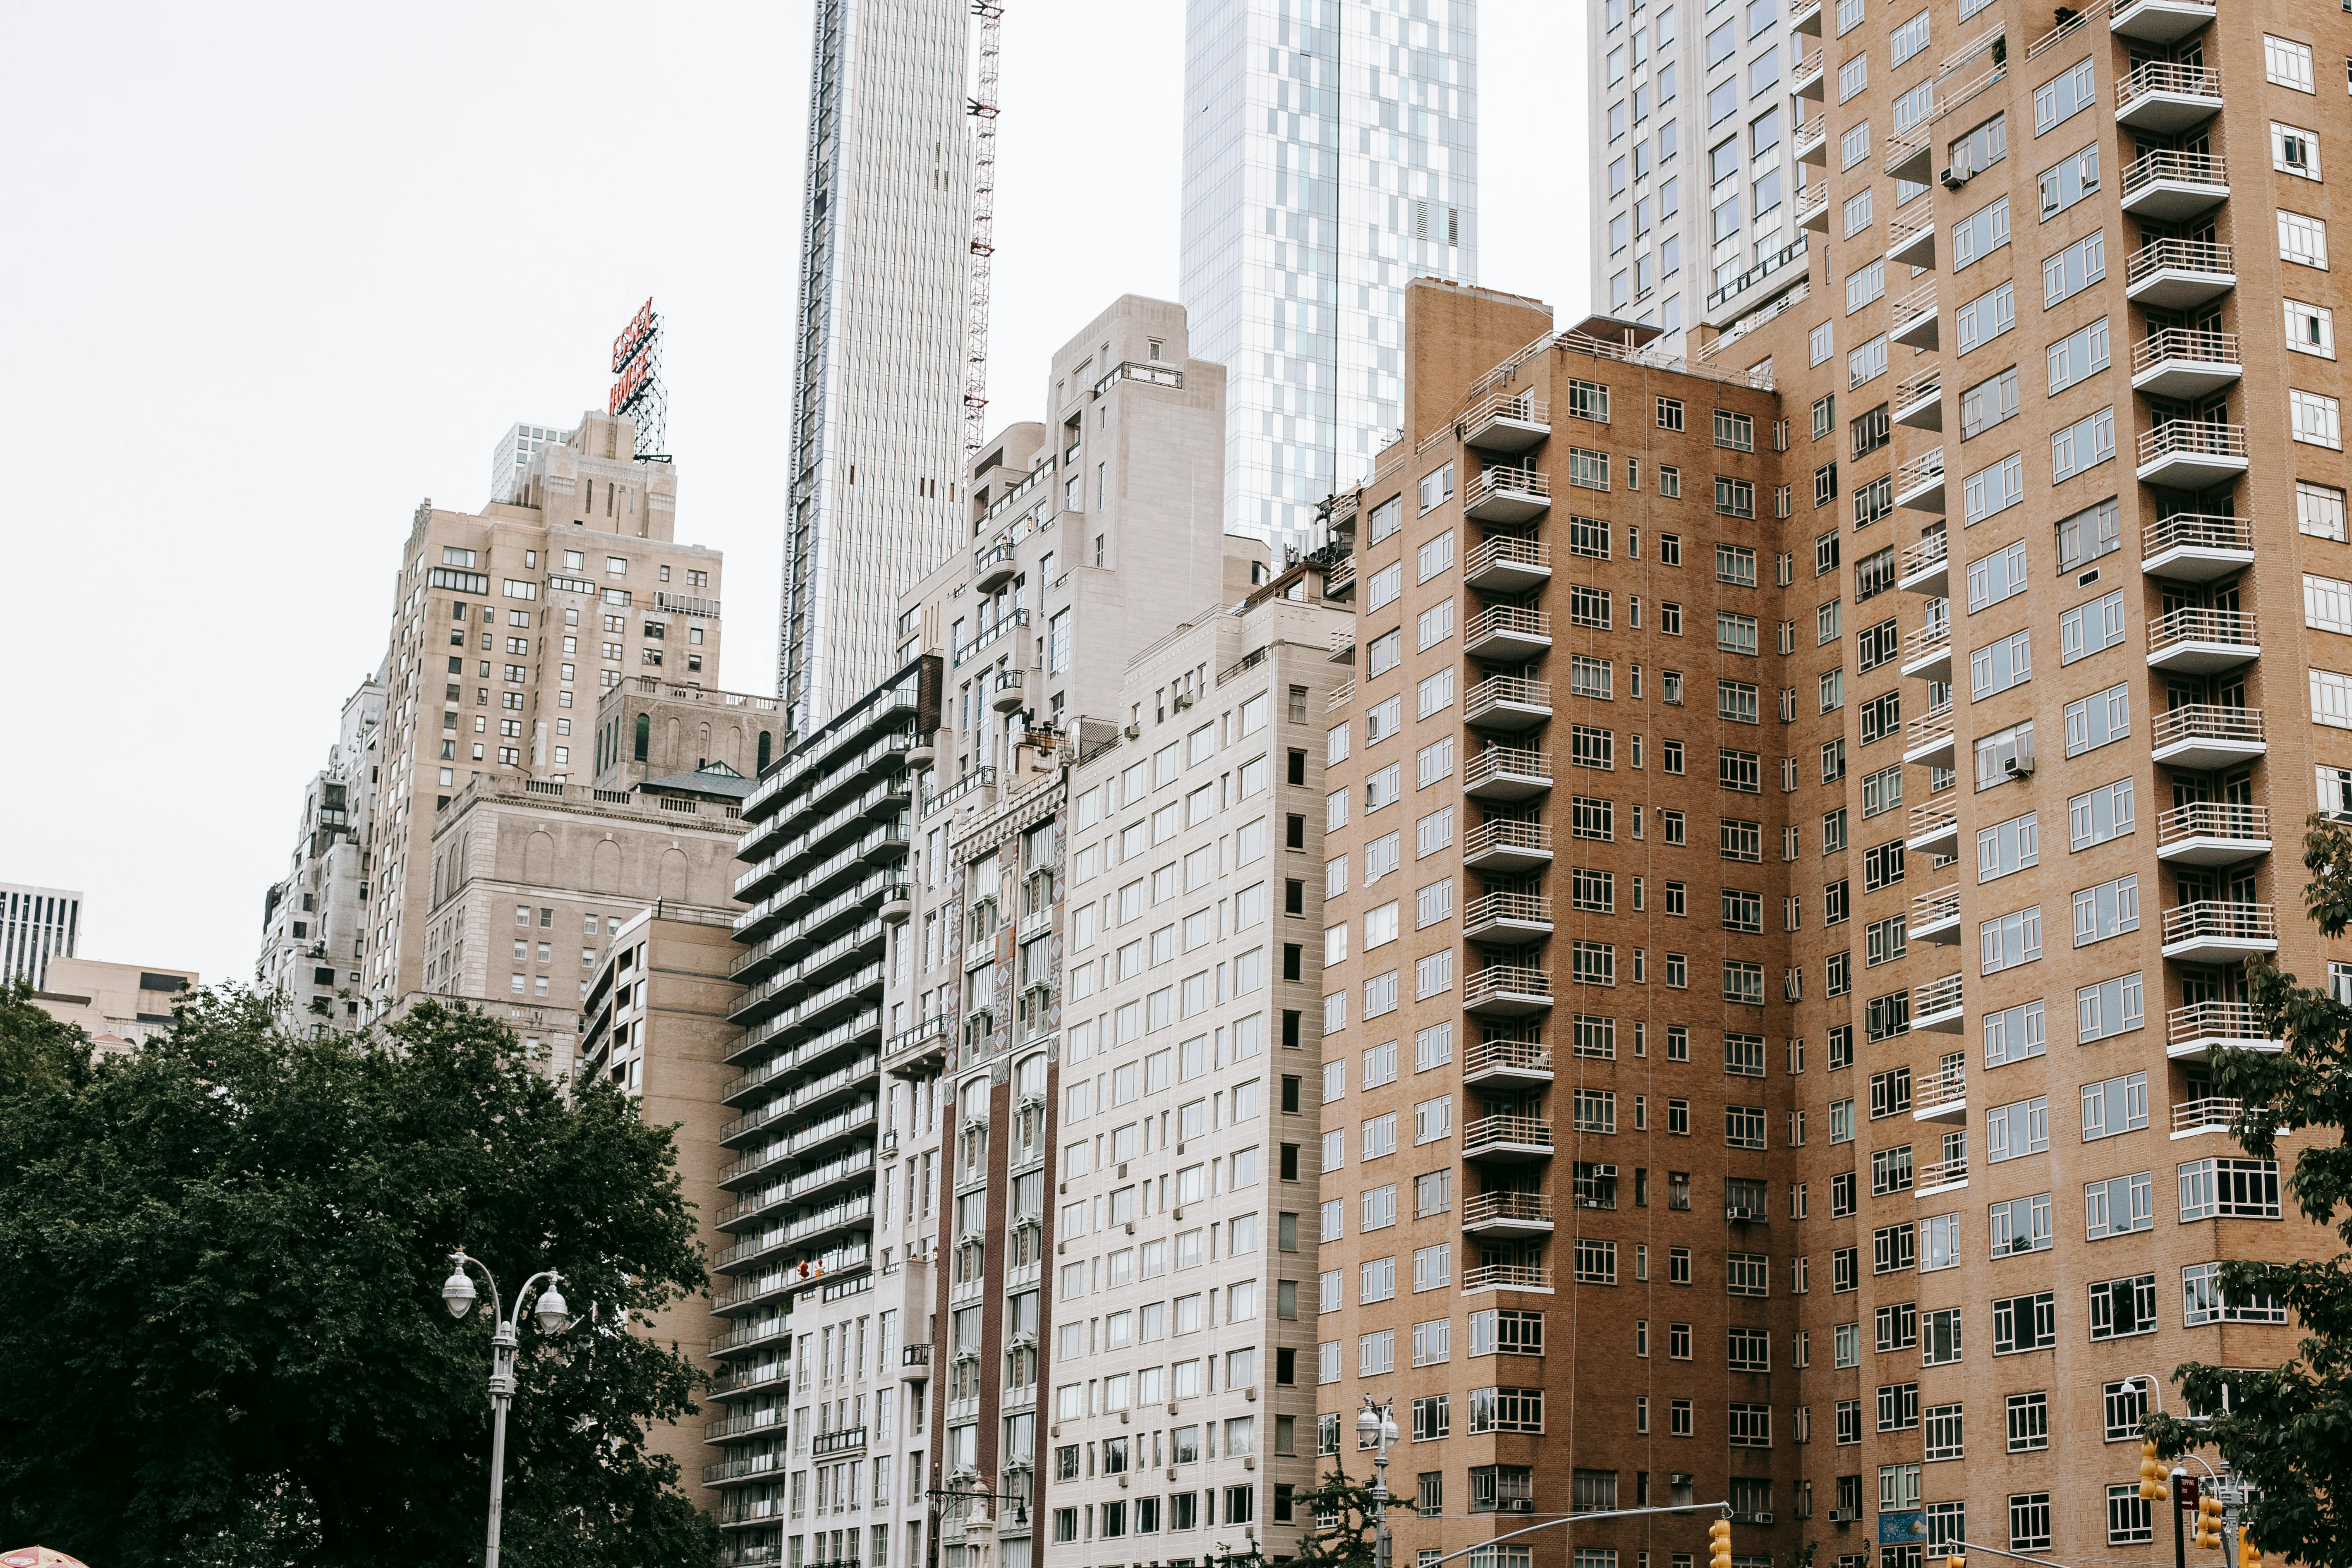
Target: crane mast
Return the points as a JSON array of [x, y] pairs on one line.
[[982, 109]]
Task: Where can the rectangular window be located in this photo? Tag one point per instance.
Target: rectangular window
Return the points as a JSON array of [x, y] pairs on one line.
[[2081, 353], [2085, 444], [2074, 269]]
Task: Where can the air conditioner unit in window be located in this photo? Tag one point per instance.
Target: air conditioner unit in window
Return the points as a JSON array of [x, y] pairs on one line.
[[1845, 1515], [1134, 732], [1956, 176]]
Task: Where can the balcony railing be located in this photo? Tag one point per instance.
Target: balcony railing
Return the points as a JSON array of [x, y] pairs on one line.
[[2192, 438], [2182, 344], [1505, 833], [1935, 996], [1506, 979], [1525, 1208], [2210, 721], [1930, 552], [1942, 1173], [1504, 907], [1507, 1276], [1507, 1055], [1932, 728], [1920, 301], [1507, 621], [1811, 135], [1935, 637], [2196, 530], [2211, 1114], [2215, 1021], [1947, 1085], [1932, 816], [2150, 77], [2166, 165], [1922, 470], [2180, 256], [2056, 34], [1504, 767], [2234, 628], [1501, 690], [1488, 1131], [2214, 819], [2220, 920], [1501, 479], [1507, 549], [1934, 908], [1923, 387]]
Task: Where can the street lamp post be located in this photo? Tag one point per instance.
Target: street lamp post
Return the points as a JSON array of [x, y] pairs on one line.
[[1378, 1422], [547, 1307]]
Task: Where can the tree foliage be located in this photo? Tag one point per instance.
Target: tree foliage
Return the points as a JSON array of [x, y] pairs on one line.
[[2288, 1430], [224, 1343]]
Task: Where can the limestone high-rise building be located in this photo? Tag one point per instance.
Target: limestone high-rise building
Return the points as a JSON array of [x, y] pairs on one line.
[[313, 923], [1330, 155], [877, 453], [509, 625], [36, 924]]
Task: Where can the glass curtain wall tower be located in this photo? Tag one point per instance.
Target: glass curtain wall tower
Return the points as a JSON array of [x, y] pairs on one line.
[[877, 411], [1330, 155]]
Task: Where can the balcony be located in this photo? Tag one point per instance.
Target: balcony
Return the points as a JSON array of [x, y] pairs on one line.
[[1006, 695], [1935, 829], [1506, 634], [2196, 547], [1507, 494], [2202, 1027], [1524, 1062], [924, 752], [1507, 991], [1341, 695], [1927, 651], [2203, 642], [2175, 274], [2191, 454], [1919, 400], [1937, 1006], [1509, 703], [993, 566], [751, 1470], [1508, 564], [2164, 98], [2205, 736], [847, 1440], [1506, 1277], [1805, 17], [1911, 319], [2214, 931], [2158, 21], [1911, 244], [1507, 422], [1928, 739], [1810, 142], [2178, 364], [915, 1360], [1506, 917], [2213, 833], [897, 904], [1912, 156], [1942, 1176], [2211, 1114], [1504, 1215], [1507, 844], [1925, 567], [1731, 301], [1504, 776], [1935, 917], [2165, 186], [919, 1052], [1941, 1095], [1920, 483], [1507, 1139], [1805, 80], [1813, 208], [1339, 579]]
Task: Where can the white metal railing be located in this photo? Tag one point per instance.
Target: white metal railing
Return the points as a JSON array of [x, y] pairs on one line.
[[2057, 34], [1510, 618], [2220, 920], [2212, 1113], [1525, 407], [2210, 721], [1935, 907], [2192, 438], [1524, 1207], [1935, 996], [1924, 387], [1945, 1085], [2117, 8], [1920, 301], [2163, 76], [1925, 468], [1901, 232], [2180, 256], [1930, 552], [1924, 640], [1341, 695], [2191, 623], [1506, 1127], [1507, 1276], [1507, 833], [2196, 530], [2214, 819], [1501, 979], [1928, 728], [2215, 1020], [1942, 1173], [1506, 549], [1811, 65], [1488, 908], [2181, 343], [1931, 818], [1812, 133], [1497, 690], [1507, 478], [1526, 1056], [1496, 761], [2167, 164], [1909, 145]]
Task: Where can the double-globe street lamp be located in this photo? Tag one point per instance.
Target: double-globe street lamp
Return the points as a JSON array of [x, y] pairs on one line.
[[1376, 1427], [547, 1307]]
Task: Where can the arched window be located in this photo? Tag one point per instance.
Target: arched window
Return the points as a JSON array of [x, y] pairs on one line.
[[765, 742], [644, 735]]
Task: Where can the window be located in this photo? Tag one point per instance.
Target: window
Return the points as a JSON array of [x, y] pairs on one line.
[[1867, 362], [2017, 1130], [2295, 151], [2074, 177], [2114, 1106], [2303, 240], [2228, 1188], [2109, 1007], [2107, 909], [2100, 815], [2094, 721], [2029, 1432], [2079, 354], [2085, 444], [1988, 403], [2123, 1307], [1979, 234], [1986, 316], [2074, 269], [2316, 419], [2064, 96], [2310, 329], [2090, 628], [1853, 77], [2000, 485], [2020, 1225], [2021, 1323], [2029, 1512], [2119, 1206], [1998, 665], [2287, 63], [2088, 536], [1995, 577], [2204, 1301]]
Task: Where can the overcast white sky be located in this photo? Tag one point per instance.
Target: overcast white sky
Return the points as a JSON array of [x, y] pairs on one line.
[[276, 272]]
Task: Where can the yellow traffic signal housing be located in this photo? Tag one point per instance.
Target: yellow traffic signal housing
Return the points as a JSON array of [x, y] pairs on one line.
[[2249, 1554], [2152, 1475], [1956, 1560], [2208, 1524], [1718, 1545]]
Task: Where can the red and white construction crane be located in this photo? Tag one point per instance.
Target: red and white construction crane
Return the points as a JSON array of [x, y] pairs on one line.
[[981, 107]]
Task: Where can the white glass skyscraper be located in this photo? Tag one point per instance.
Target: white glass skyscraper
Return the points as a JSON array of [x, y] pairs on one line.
[[1330, 155], [877, 394]]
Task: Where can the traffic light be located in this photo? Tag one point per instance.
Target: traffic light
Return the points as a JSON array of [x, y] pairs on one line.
[[1718, 1545], [1956, 1560], [2249, 1554], [2208, 1524], [2152, 1475]]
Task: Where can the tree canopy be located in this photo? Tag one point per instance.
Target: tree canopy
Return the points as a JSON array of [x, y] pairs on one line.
[[2288, 1430], [224, 1343]]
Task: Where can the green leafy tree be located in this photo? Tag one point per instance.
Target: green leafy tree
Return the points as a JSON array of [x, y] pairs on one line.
[[2288, 1430], [224, 1343], [1348, 1541]]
